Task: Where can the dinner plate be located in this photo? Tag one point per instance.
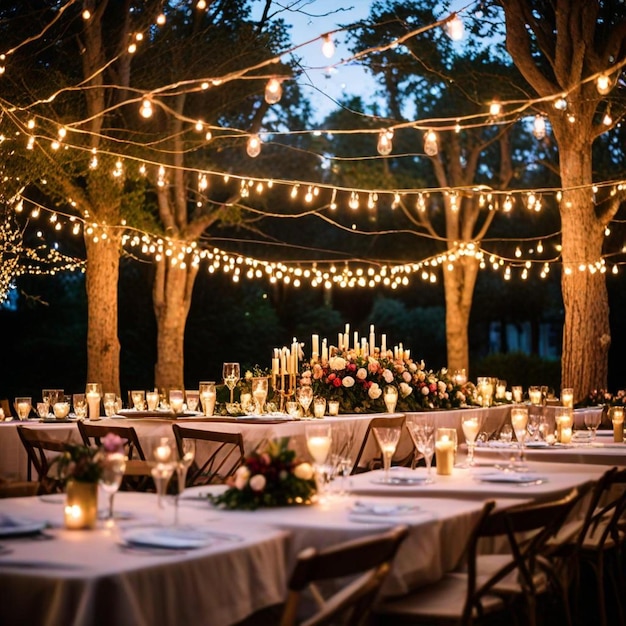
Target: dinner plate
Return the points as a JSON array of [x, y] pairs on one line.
[[382, 509], [510, 477], [10, 526], [398, 480], [173, 538]]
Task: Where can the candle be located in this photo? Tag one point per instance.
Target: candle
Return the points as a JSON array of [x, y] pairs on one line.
[[207, 398], [363, 346], [176, 404], [324, 351], [340, 342], [567, 398], [617, 417], [23, 409], [383, 345], [517, 393], [74, 517], [564, 423], [333, 407], [444, 454], [318, 447], [534, 393], [356, 339], [319, 407], [566, 435], [152, 398], [372, 341], [93, 401], [315, 350], [163, 451], [60, 410]]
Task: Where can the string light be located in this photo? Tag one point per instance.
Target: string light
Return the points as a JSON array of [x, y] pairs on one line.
[[430, 143], [328, 46], [273, 91], [455, 28], [384, 145], [539, 127], [253, 147], [603, 84]]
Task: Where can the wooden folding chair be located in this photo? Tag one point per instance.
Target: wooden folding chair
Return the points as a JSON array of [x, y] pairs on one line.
[[489, 585], [137, 476], [215, 461], [366, 560], [41, 449], [365, 465]]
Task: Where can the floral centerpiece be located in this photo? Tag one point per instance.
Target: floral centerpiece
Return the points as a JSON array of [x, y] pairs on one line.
[[357, 382], [269, 479]]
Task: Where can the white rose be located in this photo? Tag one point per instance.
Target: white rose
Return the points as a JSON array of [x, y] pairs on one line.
[[241, 477], [347, 381], [361, 373], [374, 392], [425, 390], [406, 377], [405, 390], [388, 375], [413, 367], [337, 363], [258, 482], [442, 386], [460, 396], [304, 471]]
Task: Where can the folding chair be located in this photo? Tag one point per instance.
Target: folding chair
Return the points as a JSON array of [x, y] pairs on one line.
[[41, 449], [215, 461], [367, 561], [364, 465], [488, 585], [137, 476]]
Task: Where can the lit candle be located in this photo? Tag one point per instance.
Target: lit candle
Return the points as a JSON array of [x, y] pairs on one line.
[[340, 342], [93, 400], [372, 341], [324, 351], [163, 452], [566, 435], [207, 398], [356, 339], [176, 404], [319, 447], [315, 350], [333, 407], [617, 417], [152, 398], [60, 410], [383, 345], [567, 398], [534, 394], [74, 517], [363, 346], [444, 454]]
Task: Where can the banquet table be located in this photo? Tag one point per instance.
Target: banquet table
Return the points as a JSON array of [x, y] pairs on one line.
[[537, 481], [256, 430], [603, 451], [85, 578]]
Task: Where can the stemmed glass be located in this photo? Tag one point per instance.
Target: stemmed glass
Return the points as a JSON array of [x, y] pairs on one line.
[[305, 397], [113, 468], [592, 421], [471, 428], [182, 466], [318, 442], [519, 421], [534, 424], [387, 438], [163, 465], [231, 374], [422, 431]]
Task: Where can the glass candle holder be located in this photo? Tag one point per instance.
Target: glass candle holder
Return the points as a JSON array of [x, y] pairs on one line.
[[319, 406], [617, 418], [534, 395], [333, 407], [444, 451], [567, 397]]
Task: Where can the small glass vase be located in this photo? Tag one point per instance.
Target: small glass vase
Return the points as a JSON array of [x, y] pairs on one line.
[[81, 505]]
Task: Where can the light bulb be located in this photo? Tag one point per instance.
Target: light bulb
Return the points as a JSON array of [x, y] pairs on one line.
[[455, 28], [328, 46], [430, 143], [539, 127], [273, 91], [254, 146], [384, 145], [495, 108], [560, 104], [603, 84]]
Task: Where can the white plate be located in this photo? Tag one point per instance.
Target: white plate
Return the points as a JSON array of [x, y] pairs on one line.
[[382, 509], [173, 538], [510, 477], [10, 525], [537, 444], [399, 480]]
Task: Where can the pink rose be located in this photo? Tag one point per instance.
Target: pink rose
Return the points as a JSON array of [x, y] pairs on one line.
[[337, 382], [361, 373]]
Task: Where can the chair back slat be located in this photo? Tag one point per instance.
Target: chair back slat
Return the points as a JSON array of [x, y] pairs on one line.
[[38, 444], [377, 462], [224, 454]]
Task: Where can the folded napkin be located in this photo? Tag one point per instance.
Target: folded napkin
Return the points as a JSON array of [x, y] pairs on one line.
[[511, 477], [381, 512]]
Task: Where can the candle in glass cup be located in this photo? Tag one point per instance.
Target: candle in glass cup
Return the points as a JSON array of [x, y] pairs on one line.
[[319, 407], [517, 393], [617, 418], [444, 451], [152, 400], [318, 446], [23, 407], [74, 517], [61, 410], [93, 395], [176, 400], [567, 397], [208, 397], [333, 407], [564, 427], [534, 395]]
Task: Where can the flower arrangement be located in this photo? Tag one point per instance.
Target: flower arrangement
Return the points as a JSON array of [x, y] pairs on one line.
[[357, 382], [84, 463], [598, 397], [269, 479]]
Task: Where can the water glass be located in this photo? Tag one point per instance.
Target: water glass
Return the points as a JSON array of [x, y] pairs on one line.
[[208, 396], [192, 396], [390, 397], [110, 403], [138, 398], [23, 407], [113, 467]]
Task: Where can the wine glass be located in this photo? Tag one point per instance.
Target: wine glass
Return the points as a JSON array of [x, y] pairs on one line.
[[592, 421], [387, 438], [305, 397], [163, 465], [318, 442], [23, 407], [390, 397], [471, 428], [534, 424], [425, 444], [185, 458], [113, 468], [231, 374], [519, 421]]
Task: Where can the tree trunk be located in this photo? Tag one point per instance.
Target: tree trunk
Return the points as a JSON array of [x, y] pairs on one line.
[[459, 282], [103, 347], [586, 334], [171, 292]]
